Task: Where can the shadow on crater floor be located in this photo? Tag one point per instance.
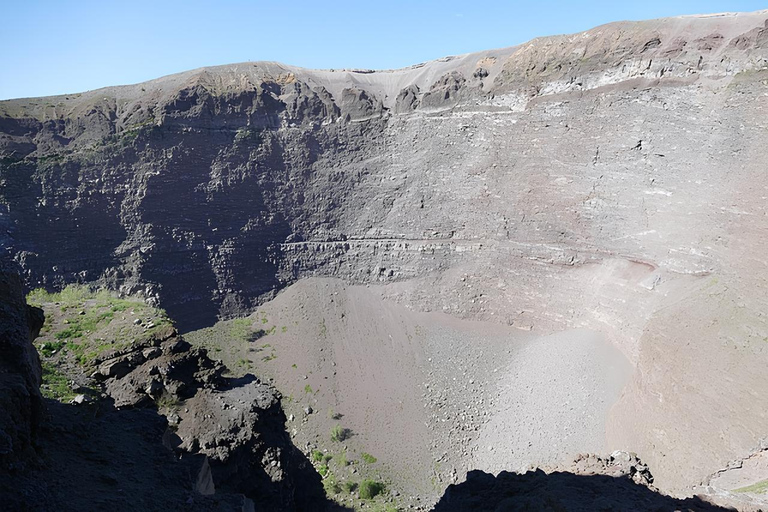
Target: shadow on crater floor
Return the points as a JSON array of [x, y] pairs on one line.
[[559, 492]]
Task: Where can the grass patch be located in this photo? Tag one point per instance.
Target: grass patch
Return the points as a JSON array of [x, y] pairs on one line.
[[71, 296], [323, 470], [167, 401], [369, 489], [55, 384], [51, 347], [316, 455], [757, 488], [308, 389], [79, 321], [350, 486], [331, 485], [368, 458], [240, 329]]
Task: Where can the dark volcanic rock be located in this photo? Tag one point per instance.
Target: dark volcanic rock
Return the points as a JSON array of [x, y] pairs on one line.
[[20, 372], [537, 490], [222, 447], [241, 431]]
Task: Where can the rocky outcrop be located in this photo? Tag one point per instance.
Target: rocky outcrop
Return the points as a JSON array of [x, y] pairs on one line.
[[447, 91], [217, 443], [241, 431], [237, 426], [161, 365], [21, 404], [619, 482]]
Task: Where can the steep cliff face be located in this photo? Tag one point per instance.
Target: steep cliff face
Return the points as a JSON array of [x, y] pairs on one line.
[[134, 418], [21, 404], [612, 180], [214, 188]]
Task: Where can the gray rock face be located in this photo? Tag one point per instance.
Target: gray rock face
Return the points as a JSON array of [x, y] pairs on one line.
[[611, 180], [210, 190], [20, 400]]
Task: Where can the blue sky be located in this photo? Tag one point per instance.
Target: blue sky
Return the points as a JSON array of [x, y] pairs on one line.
[[60, 46]]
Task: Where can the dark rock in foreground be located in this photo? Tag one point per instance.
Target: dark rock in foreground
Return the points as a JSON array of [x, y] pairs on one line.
[[20, 372], [537, 490], [168, 433]]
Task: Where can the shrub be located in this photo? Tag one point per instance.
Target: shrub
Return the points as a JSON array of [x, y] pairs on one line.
[[369, 489], [51, 347], [317, 455], [350, 486], [331, 486], [339, 433], [368, 458]]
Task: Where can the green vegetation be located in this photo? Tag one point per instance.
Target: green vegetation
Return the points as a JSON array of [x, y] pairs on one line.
[[323, 329], [72, 294], [84, 324], [339, 433], [51, 347], [45, 162], [369, 489], [756, 488], [55, 384], [247, 136], [308, 389], [331, 485], [240, 329], [350, 486], [79, 322], [323, 470], [167, 401], [368, 458], [318, 456], [385, 508]]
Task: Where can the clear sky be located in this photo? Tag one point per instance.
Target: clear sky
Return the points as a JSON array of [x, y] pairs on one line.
[[62, 46]]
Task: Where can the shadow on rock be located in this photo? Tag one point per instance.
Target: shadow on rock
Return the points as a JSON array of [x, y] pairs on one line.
[[96, 457], [537, 490]]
